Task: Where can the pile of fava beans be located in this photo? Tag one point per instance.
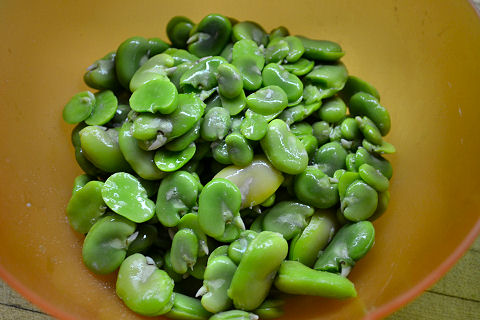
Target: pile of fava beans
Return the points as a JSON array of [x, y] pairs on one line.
[[226, 170]]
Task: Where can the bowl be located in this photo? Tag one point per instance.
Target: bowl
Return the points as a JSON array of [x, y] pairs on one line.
[[421, 56]]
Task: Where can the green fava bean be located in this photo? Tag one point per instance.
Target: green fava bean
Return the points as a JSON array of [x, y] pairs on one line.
[[156, 46], [369, 130], [257, 181], [329, 76], [296, 278], [176, 196], [269, 202], [354, 85], [254, 127], [227, 52], [189, 111], [169, 269], [322, 50], [315, 237], [180, 56], [257, 224], [147, 126], [321, 131], [268, 100], [279, 32], [350, 162], [291, 157], [373, 177], [330, 157], [217, 279], [383, 148], [140, 160], [256, 271], [125, 195], [239, 150], [169, 161], [146, 235], [157, 95], [218, 252], [131, 54], [80, 181], [101, 74], [383, 200], [178, 31], [185, 139], [288, 218], [249, 30], [216, 124], [270, 309], [230, 81], [276, 50], [345, 181], [121, 115], [86, 206], [313, 187], [238, 247], [274, 74], [101, 147], [363, 156], [349, 129], [301, 129], [85, 164], [249, 60], [210, 36], [364, 104], [143, 287], [360, 201], [300, 68], [220, 152], [296, 48], [105, 245], [104, 109], [79, 107], [184, 252], [177, 74], [350, 244], [310, 143], [203, 75], [333, 110], [234, 315], [155, 68], [218, 207], [190, 221], [187, 308], [235, 105]]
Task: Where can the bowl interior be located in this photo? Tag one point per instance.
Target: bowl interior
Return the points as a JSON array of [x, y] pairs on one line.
[[423, 59]]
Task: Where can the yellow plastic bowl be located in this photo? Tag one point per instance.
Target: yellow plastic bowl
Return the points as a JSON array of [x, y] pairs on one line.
[[423, 56]]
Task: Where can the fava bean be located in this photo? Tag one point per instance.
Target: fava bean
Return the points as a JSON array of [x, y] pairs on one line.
[[79, 107], [313, 187], [364, 104], [373, 177], [254, 127], [300, 68], [255, 273], [187, 308], [169, 161], [177, 195], [230, 82], [238, 247], [273, 74], [355, 84], [157, 95], [209, 36], [270, 309], [333, 110], [101, 74], [249, 60], [296, 278], [360, 201], [249, 30], [143, 287], [315, 237], [155, 68], [105, 245], [291, 158], [330, 157], [125, 195], [288, 218], [268, 100], [218, 207], [234, 315], [178, 31], [349, 244], [184, 252], [146, 236], [322, 50], [378, 162], [239, 150], [131, 54], [216, 124], [86, 206]]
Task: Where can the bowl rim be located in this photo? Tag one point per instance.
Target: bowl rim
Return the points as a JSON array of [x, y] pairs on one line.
[[375, 314]]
